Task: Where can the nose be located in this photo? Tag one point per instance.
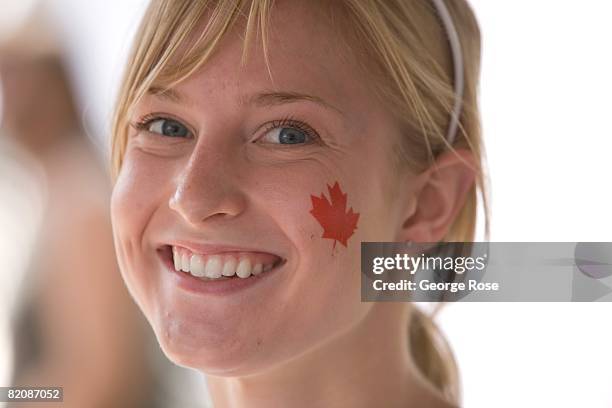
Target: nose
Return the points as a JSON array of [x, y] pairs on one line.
[[208, 188]]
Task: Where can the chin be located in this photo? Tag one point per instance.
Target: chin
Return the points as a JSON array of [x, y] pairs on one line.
[[210, 351], [220, 363]]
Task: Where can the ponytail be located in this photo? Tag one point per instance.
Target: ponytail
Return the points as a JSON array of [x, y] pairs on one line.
[[432, 354]]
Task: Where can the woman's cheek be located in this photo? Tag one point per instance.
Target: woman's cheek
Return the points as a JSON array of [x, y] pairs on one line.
[[334, 217], [137, 192], [341, 214], [335, 214], [136, 195]]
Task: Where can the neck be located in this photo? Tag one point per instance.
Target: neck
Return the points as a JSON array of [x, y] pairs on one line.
[[369, 365]]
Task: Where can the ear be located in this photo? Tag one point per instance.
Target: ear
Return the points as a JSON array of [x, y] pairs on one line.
[[441, 192]]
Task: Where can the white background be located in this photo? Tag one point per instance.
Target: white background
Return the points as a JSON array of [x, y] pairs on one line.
[[546, 108], [546, 99]]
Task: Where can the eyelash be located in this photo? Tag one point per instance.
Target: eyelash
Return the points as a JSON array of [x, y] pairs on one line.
[[143, 123], [289, 122]]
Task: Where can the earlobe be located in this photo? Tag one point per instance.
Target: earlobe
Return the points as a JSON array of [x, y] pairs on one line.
[[443, 193]]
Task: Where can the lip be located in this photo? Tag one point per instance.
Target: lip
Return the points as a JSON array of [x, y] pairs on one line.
[[220, 287], [209, 249]]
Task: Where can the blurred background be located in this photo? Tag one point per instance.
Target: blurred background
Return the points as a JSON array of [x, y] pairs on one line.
[[545, 99]]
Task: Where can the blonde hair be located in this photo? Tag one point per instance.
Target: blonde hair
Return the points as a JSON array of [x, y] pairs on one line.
[[410, 60]]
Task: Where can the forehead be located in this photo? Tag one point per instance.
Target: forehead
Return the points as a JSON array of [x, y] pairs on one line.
[[307, 54]]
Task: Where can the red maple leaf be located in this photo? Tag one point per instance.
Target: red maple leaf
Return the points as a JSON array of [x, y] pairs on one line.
[[338, 224]]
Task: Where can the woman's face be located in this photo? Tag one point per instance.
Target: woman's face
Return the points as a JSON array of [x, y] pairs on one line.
[[225, 166]]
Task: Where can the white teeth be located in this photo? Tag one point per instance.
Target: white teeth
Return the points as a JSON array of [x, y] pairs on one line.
[[197, 266], [177, 259], [229, 268], [185, 262], [257, 269], [244, 268], [217, 266], [213, 267]]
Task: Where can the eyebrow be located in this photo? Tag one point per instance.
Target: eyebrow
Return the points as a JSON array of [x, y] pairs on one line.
[[266, 98], [272, 98], [168, 94]]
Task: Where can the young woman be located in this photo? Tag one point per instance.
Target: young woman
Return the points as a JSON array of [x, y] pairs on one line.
[[255, 145]]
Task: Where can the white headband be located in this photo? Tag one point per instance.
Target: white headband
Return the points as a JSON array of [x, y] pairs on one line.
[[455, 45]]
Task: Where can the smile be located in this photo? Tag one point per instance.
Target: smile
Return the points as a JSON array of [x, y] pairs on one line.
[[222, 265]]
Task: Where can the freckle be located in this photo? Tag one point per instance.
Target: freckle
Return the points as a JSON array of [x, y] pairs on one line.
[[258, 342]]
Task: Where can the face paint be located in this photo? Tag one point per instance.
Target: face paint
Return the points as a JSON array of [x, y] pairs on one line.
[[338, 224]]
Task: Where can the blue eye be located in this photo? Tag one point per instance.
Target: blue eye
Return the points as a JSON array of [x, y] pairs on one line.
[[167, 127], [289, 131], [285, 135]]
